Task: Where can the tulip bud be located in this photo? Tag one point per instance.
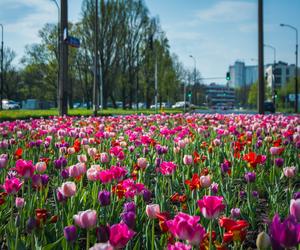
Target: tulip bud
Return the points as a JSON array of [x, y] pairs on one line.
[[104, 198], [205, 181], [146, 195], [295, 209], [152, 210], [70, 233], [102, 233], [20, 202], [187, 159], [263, 241]]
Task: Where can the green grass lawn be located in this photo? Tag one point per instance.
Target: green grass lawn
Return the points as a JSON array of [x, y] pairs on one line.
[[26, 114]]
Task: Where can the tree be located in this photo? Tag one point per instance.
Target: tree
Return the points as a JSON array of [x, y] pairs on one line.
[[252, 97]]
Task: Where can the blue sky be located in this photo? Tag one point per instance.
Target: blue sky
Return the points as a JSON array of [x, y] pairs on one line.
[[215, 32]]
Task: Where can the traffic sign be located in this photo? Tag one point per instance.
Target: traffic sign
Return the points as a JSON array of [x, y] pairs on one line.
[[73, 42]]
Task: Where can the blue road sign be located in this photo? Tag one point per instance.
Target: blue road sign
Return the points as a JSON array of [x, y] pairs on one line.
[[73, 42]]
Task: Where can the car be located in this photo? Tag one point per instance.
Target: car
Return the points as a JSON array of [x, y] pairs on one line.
[[269, 107], [181, 105], [163, 105], [9, 104]]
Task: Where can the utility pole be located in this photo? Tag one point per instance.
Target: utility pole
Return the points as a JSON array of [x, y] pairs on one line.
[[63, 77], [261, 85], [137, 77], [2, 78], [95, 87]]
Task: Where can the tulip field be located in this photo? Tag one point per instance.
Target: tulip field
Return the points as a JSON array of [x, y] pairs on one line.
[[176, 182]]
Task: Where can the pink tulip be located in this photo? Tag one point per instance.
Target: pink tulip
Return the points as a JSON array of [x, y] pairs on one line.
[[102, 246], [289, 172], [211, 206], [77, 170], [92, 152], [205, 181], [68, 189], [86, 219], [93, 173], [295, 209], [104, 158], [20, 202], [152, 210], [12, 185], [82, 158], [186, 227], [178, 246], [71, 150], [142, 163], [3, 160], [188, 159], [24, 168], [41, 167], [120, 234]]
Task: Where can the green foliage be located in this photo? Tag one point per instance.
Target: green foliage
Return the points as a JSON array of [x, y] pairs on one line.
[[253, 93]]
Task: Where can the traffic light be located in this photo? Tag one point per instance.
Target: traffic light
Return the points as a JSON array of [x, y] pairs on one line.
[[190, 94], [275, 94], [228, 76]]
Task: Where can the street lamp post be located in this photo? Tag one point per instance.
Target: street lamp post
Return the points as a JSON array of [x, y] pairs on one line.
[[2, 81], [95, 87], [261, 89], [273, 77], [194, 75], [58, 44], [296, 71]]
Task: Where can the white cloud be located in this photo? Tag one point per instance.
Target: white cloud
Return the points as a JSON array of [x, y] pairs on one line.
[[229, 11]]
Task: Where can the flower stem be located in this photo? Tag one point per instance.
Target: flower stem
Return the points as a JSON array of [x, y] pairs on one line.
[[87, 239], [210, 234], [153, 236]]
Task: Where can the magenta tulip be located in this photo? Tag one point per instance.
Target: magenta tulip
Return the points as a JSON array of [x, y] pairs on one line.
[[120, 234], [211, 206], [12, 185], [295, 209], [186, 227]]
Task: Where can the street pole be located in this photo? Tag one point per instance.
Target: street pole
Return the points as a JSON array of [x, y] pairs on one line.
[[155, 78], [273, 76], [137, 78], [184, 97], [261, 87], [2, 78], [95, 87], [63, 77], [58, 45], [296, 71]]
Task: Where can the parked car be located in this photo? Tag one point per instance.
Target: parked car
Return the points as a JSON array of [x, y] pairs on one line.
[[181, 105], [163, 105], [9, 104], [269, 106]]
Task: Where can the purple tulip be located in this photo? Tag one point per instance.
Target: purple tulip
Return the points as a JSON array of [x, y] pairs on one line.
[[129, 219], [279, 162], [31, 224], [70, 233], [285, 234], [146, 195], [250, 177], [60, 197], [255, 194], [64, 174], [243, 194], [104, 198], [214, 187], [129, 207], [60, 163], [102, 233], [296, 195]]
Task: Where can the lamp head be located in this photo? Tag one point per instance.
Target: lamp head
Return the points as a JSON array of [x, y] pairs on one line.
[[282, 25]]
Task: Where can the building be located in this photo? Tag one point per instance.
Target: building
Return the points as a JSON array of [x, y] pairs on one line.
[[220, 95], [242, 75], [282, 73]]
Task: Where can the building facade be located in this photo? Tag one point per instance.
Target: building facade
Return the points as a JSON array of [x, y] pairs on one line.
[[220, 95], [243, 75]]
